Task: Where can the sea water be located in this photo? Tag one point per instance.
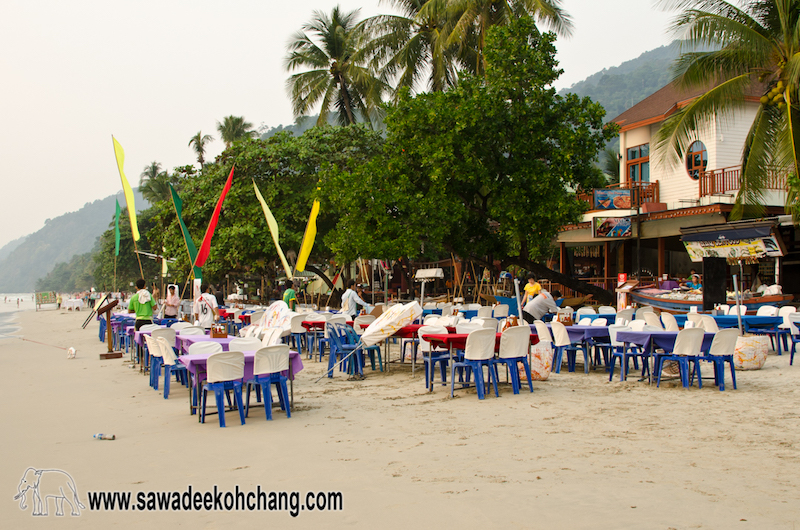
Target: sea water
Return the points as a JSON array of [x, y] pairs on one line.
[[8, 311]]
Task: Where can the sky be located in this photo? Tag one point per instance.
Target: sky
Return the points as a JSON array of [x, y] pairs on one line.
[[154, 73]]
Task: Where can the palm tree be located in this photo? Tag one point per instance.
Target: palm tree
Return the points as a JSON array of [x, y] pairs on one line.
[[471, 19], [755, 47], [409, 45], [154, 183], [339, 77], [198, 143], [234, 128]]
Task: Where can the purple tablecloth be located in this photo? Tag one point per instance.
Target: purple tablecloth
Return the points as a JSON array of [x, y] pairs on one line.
[[581, 333], [196, 364], [651, 340]]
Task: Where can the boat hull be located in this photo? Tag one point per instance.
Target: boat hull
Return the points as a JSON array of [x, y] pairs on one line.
[[685, 306]]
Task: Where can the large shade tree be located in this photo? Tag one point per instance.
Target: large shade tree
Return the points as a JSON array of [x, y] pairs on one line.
[[485, 170], [338, 75], [736, 50]]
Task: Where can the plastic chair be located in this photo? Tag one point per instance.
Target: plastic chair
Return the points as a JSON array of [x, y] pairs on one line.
[[794, 322], [720, 352], [487, 322], [478, 354], [618, 352], [626, 314], [542, 332], [585, 322], [642, 310], [431, 355], [245, 344], [686, 350], [154, 360], [515, 345], [180, 325], [606, 310], [273, 336], [741, 308], [468, 327], [362, 319], [599, 322], [500, 311], [784, 330], [193, 330], [225, 371], [430, 319], [637, 325], [561, 344], [171, 366], [313, 334], [255, 317], [268, 365], [205, 347], [298, 332], [585, 310], [709, 324], [670, 324], [354, 339], [767, 311], [485, 311], [341, 351], [695, 318], [652, 319]]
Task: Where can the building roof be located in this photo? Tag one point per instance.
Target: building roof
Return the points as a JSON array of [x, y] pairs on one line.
[[664, 102]]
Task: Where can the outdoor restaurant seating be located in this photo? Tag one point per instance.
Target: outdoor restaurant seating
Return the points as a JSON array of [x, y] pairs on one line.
[[670, 324], [606, 310], [618, 351], [599, 322], [585, 310], [794, 321], [431, 355], [515, 343], [720, 352], [625, 314], [340, 351], [313, 334], [244, 344], [193, 330], [153, 360], [562, 344], [652, 319], [298, 332], [478, 353], [199, 348], [272, 336], [500, 311], [353, 339], [642, 310], [171, 366], [687, 349], [225, 371], [268, 365], [695, 318], [708, 323], [324, 339], [180, 325]]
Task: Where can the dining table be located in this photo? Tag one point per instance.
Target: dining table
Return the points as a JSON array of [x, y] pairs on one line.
[[185, 341], [458, 341], [653, 340], [731, 321], [196, 366]]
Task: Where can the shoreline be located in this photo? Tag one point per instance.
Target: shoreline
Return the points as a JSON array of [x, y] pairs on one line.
[[579, 452]]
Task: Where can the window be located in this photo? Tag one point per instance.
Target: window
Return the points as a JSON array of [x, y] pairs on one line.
[[638, 163], [696, 159]]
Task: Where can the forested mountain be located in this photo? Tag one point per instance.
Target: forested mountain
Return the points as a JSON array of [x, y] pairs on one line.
[[620, 87], [58, 241]]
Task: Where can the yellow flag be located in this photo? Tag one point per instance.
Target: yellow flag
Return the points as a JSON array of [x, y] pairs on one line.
[[126, 188], [273, 228], [308, 238]]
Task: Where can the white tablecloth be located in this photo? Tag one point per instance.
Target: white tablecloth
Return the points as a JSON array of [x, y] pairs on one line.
[[73, 303]]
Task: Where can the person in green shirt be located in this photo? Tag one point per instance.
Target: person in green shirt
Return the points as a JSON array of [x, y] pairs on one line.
[[142, 303], [289, 296]]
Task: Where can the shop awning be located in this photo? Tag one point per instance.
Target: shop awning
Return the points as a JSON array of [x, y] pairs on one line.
[[747, 241]]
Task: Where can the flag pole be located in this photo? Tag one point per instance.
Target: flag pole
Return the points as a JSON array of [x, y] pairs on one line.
[[115, 274]]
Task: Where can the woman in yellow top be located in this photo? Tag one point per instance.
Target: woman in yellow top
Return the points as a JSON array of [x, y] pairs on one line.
[[532, 288]]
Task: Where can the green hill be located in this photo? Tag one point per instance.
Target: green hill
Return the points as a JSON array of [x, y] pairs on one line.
[[58, 241]]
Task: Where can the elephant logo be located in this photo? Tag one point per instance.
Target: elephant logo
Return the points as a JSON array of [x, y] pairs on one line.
[[46, 484]]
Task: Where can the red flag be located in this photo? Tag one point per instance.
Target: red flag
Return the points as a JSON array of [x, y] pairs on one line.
[[202, 254]]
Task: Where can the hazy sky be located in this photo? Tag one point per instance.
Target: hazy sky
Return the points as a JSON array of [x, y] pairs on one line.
[[153, 73]]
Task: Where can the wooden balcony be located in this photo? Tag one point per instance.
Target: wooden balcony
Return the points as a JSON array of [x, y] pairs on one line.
[[641, 192], [727, 181]]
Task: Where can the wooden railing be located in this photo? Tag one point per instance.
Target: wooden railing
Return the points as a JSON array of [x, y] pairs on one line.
[[727, 180], [640, 192]]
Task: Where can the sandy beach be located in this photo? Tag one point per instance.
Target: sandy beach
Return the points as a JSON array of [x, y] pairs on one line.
[[579, 452]]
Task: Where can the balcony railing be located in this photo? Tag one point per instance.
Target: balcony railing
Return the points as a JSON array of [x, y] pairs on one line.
[[728, 180], [640, 192]]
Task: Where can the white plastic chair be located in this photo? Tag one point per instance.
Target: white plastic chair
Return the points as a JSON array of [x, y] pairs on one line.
[[652, 319], [430, 319], [642, 310], [515, 345], [171, 365], [741, 308], [225, 371], [725, 308], [606, 310], [362, 319], [767, 311], [268, 364], [687, 348], [695, 318], [599, 322], [167, 333], [255, 317], [542, 332], [468, 327], [245, 344], [585, 321], [720, 352], [205, 347], [149, 327], [562, 342], [670, 324], [500, 311], [488, 323], [180, 325], [485, 311], [626, 314], [478, 352], [193, 330], [585, 310], [273, 336], [637, 325], [709, 324], [430, 354]]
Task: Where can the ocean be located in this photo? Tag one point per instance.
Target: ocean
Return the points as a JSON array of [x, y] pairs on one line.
[[9, 309]]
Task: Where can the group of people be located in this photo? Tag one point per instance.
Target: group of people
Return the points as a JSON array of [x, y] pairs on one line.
[[205, 308]]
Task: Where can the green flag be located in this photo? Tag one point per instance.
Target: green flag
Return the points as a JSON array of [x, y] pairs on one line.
[[116, 230], [190, 248]]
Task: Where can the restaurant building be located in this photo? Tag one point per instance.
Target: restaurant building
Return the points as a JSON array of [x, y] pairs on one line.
[[646, 222]]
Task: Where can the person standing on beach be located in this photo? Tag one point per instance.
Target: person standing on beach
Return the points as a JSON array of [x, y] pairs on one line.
[[142, 303], [171, 303], [290, 296], [205, 307], [351, 301], [59, 300], [532, 288]]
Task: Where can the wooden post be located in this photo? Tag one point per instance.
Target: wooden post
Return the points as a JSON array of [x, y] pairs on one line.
[[662, 262], [606, 266]]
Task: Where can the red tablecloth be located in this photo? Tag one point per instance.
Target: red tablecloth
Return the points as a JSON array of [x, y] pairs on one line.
[[459, 340]]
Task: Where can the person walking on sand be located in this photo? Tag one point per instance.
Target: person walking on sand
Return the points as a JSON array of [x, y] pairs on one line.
[[290, 296], [171, 303], [143, 303]]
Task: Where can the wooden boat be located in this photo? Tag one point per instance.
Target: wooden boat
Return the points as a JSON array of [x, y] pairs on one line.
[[650, 297]]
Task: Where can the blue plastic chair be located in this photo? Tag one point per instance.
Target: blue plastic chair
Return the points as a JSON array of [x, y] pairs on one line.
[[268, 366], [687, 349], [478, 354], [562, 344], [340, 350], [172, 366], [225, 371], [515, 345], [719, 353], [430, 356], [371, 351]]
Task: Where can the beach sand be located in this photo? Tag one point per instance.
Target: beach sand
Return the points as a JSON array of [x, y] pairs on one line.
[[579, 452]]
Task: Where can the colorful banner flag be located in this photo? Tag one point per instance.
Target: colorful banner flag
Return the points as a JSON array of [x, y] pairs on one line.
[[205, 247], [273, 228], [116, 230], [308, 238], [190, 246], [126, 188]]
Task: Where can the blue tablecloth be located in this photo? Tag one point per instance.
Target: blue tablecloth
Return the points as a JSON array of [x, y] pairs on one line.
[[732, 321]]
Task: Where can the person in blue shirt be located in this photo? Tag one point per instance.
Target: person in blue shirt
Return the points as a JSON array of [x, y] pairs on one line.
[[694, 282]]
